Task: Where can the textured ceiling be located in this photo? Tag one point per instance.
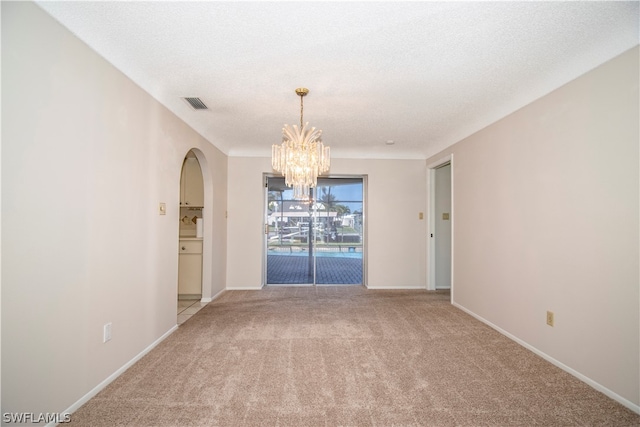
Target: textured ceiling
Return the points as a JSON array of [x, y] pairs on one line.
[[423, 74]]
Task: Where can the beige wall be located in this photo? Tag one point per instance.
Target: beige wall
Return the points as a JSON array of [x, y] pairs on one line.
[[546, 218], [86, 158], [396, 243]]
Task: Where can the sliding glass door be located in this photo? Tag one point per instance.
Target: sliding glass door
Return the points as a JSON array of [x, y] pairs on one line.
[[315, 242]]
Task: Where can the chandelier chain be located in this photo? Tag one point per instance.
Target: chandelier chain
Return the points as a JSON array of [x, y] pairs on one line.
[[301, 109]]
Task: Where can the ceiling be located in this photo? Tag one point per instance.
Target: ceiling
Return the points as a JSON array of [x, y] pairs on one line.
[[421, 74]]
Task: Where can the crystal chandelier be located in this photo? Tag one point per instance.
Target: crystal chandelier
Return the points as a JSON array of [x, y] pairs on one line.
[[302, 156]]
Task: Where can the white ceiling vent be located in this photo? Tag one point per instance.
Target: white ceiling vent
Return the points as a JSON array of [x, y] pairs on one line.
[[196, 103]]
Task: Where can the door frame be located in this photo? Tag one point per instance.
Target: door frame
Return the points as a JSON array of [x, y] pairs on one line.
[[364, 177], [431, 212]]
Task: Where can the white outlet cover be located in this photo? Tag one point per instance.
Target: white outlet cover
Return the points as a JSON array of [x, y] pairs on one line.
[[106, 332]]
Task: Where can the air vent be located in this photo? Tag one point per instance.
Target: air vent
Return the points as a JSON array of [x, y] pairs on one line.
[[196, 103]]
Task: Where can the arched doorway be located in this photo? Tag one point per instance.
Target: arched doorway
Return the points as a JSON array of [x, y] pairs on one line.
[[191, 245]]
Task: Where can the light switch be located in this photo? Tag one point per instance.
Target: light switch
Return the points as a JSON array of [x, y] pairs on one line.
[[445, 216], [421, 215], [162, 209]]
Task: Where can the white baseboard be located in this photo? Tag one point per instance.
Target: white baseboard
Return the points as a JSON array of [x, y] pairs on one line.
[[84, 399], [397, 287], [206, 300], [627, 403], [243, 288]]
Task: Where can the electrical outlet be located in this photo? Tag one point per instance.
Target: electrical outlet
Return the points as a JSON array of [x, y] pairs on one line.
[[106, 333], [550, 318]]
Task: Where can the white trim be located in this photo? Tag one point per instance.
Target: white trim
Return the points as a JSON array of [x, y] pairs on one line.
[[97, 389], [207, 238], [453, 223], [431, 243], [244, 288], [396, 287], [632, 406], [206, 300]]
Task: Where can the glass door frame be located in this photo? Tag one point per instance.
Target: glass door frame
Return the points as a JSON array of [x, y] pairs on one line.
[[265, 251]]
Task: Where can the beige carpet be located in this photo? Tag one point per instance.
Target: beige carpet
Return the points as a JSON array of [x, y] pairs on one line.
[[344, 356]]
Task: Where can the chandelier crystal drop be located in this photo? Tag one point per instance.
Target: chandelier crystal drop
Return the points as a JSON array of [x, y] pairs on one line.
[[301, 156]]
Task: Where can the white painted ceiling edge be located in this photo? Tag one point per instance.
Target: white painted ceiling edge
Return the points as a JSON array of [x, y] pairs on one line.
[[423, 74]]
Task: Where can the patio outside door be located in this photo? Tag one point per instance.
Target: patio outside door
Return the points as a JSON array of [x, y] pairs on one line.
[[315, 242]]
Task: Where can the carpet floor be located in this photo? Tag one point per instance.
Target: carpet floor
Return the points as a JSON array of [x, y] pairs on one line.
[[344, 356]]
